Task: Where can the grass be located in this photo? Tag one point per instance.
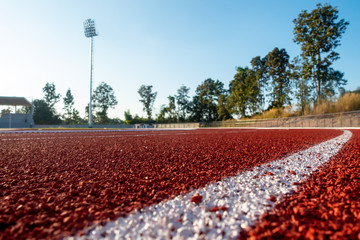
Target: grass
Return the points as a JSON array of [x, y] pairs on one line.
[[277, 113], [345, 103]]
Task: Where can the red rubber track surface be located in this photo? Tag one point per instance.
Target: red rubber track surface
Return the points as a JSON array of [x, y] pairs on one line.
[[55, 184], [325, 207]]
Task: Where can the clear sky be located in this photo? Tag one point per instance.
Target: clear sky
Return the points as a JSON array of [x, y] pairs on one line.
[[164, 43]]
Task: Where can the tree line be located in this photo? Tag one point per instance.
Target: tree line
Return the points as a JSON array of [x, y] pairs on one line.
[[46, 113], [272, 81]]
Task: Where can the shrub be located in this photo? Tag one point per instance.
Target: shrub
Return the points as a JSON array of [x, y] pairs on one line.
[[348, 102]]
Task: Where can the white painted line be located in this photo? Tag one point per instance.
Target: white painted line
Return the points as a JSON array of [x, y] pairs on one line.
[[246, 196]]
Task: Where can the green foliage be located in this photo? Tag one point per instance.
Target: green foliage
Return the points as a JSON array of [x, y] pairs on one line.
[[183, 103], [68, 107], [303, 88], [75, 117], [50, 95], [168, 113], [223, 109], [171, 110], [103, 99], [6, 110], [147, 98], [333, 79], [161, 117], [129, 119], [115, 121], [48, 104], [244, 92], [43, 113], [206, 99], [258, 65], [272, 79], [319, 33], [278, 73], [24, 110]]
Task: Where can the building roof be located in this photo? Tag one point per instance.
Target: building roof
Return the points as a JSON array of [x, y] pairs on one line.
[[14, 101]]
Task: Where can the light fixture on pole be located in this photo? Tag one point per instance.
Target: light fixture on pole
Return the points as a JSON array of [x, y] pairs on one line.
[[90, 32]]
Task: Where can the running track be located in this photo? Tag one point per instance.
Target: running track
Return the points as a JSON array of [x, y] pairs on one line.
[[61, 184]]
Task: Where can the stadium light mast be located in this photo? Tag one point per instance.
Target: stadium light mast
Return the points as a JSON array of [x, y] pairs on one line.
[[90, 32]]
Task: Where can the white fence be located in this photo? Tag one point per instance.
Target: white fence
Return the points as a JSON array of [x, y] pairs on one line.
[[177, 125]]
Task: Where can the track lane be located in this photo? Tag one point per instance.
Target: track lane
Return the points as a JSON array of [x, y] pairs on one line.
[[327, 206], [47, 180], [223, 208]]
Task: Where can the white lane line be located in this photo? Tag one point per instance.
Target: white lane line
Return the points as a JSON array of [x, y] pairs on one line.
[[245, 198]]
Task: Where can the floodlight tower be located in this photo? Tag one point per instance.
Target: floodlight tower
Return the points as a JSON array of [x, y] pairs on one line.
[[90, 32]]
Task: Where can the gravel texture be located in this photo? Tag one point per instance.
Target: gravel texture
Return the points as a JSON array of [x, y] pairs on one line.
[[220, 210], [56, 184], [325, 207]]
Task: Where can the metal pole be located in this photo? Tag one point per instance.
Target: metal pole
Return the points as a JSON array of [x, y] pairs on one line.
[[10, 119], [91, 70], [340, 120]]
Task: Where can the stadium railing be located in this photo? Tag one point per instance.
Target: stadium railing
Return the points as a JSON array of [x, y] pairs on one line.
[[332, 120]]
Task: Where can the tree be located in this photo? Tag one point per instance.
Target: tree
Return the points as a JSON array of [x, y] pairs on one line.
[[244, 92], [258, 65], [68, 106], [302, 87], [75, 117], [47, 104], [254, 93], [24, 110], [278, 72], [222, 108], [43, 113], [103, 98], [171, 109], [183, 102], [6, 110], [128, 117], [147, 98], [161, 117], [206, 100], [334, 79], [319, 33], [50, 95]]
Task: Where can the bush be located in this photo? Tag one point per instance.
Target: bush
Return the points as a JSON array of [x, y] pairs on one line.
[[348, 102], [324, 107], [277, 113]]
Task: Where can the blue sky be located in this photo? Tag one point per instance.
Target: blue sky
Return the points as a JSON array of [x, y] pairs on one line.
[[164, 43]]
